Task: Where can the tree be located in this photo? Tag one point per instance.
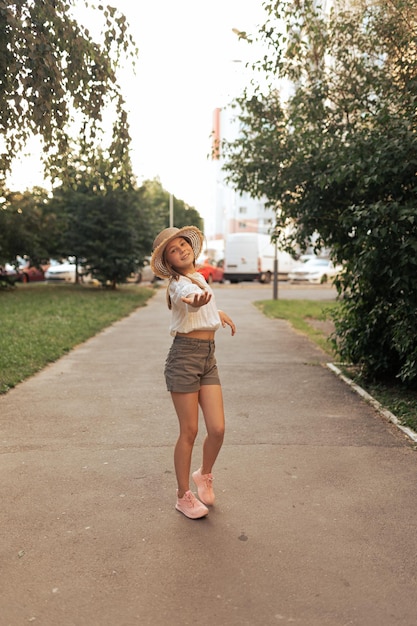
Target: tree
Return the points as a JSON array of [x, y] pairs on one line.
[[98, 207], [105, 220], [338, 156], [26, 227], [107, 225], [157, 200], [50, 68], [111, 236], [185, 215]]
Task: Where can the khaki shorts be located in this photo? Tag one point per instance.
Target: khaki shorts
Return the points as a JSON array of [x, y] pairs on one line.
[[191, 363]]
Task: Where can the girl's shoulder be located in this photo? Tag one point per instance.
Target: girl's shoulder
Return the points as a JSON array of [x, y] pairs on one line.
[[178, 281], [177, 284], [197, 278]]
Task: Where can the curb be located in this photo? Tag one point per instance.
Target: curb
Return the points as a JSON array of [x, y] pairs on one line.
[[377, 405]]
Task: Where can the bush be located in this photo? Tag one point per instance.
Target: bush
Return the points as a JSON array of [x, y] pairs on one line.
[[376, 325]]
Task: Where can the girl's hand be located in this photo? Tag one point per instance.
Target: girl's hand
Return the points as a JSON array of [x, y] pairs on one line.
[[226, 321], [197, 299]]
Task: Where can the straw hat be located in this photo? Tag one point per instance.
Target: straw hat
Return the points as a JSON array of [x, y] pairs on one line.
[[192, 233]]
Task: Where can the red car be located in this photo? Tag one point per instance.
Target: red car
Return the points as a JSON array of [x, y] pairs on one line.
[[29, 273], [212, 272]]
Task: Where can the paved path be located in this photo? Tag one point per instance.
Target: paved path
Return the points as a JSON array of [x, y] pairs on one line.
[[315, 522]]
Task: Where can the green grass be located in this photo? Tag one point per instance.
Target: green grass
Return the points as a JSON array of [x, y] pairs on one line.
[[402, 402], [40, 323], [301, 313]]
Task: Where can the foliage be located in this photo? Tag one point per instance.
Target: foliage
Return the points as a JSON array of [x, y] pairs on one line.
[[40, 323], [378, 314], [157, 199], [402, 402], [56, 81], [185, 215], [50, 68], [24, 224], [336, 154], [112, 236], [97, 207], [111, 229], [108, 224]]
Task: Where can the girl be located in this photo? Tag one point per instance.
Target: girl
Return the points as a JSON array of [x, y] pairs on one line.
[[190, 369]]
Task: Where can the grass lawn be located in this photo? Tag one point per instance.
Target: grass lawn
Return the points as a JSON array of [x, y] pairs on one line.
[[313, 318], [40, 322]]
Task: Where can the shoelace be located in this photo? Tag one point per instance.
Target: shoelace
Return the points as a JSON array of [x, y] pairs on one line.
[[208, 479], [191, 499]]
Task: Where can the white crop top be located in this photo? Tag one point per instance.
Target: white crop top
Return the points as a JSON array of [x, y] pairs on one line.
[[186, 318]]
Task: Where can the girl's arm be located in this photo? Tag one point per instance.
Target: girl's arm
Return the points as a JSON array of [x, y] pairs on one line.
[[226, 321]]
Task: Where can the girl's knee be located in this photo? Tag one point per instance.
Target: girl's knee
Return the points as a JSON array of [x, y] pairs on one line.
[[217, 434], [189, 435]]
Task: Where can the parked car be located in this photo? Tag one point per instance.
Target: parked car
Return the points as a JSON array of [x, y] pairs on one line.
[[315, 271], [251, 256], [29, 273], [212, 272], [145, 273], [61, 272]]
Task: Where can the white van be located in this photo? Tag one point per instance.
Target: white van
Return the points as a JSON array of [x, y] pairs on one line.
[[250, 256]]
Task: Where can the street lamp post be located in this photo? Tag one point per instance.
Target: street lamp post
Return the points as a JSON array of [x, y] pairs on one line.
[[275, 294], [171, 210]]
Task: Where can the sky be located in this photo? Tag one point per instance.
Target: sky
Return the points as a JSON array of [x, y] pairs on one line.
[[190, 62]]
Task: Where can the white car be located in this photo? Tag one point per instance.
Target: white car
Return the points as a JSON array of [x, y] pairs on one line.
[[316, 271], [145, 273], [62, 272], [65, 273]]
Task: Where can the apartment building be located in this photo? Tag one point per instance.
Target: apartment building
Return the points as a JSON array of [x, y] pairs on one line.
[[234, 212]]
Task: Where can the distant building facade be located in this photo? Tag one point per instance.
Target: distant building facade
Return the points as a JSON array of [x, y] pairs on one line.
[[234, 212]]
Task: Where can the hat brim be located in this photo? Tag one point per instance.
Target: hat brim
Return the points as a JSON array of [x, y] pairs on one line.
[[192, 233]]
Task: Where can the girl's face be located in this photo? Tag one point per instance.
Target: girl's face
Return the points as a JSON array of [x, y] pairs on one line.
[[180, 255]]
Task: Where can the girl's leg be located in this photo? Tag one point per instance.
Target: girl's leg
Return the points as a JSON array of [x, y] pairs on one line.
[[211, 402], [186, 406]]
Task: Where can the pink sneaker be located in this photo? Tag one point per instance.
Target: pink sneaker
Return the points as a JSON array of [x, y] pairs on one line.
[[190, 506], [204, 483]]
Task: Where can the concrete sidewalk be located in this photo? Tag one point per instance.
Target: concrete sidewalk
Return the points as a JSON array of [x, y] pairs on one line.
[[315, 519]]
